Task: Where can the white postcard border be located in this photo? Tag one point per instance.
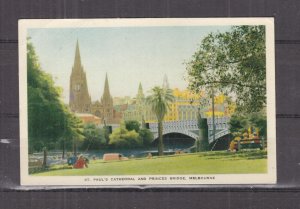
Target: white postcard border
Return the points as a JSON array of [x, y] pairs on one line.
[[269, 178]]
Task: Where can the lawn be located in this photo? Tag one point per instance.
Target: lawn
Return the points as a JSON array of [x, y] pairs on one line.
[[221, 162]]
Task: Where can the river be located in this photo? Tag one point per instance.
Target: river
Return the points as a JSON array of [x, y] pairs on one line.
[[55, 157]]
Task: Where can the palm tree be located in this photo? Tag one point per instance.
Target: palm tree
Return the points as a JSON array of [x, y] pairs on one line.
[[159, 101]]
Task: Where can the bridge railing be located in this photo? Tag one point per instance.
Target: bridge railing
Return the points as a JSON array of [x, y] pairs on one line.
[[175, 125], [220, 123]]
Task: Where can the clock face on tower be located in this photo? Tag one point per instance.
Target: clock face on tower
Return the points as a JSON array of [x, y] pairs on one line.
[[77, 87]]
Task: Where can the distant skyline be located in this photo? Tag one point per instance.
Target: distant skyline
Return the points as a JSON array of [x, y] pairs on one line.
[[129, 55]]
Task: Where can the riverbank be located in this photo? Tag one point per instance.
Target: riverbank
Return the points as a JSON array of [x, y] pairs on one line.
[[221, 162]]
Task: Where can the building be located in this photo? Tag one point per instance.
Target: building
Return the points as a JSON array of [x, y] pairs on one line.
[[122, 100], [80, 100], [184, 107], [104, 108], [181, 109], [88, 118]]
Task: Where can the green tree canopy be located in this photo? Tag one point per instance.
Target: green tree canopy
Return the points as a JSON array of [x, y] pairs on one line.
[[240, 123], [122, 138], [49, 120], [146, 136], [94, 137], [234, 63], [132, 125]]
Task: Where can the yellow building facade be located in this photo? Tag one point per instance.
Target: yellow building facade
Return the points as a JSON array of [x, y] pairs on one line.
[[185, 107]]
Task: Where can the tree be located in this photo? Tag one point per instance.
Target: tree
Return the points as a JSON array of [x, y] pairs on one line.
[[132, 125], [234, 63], [94, 137], [240, 123], [146, 136], [159, 101], [259, 121], [49, 120], [45, 111], [74, 131], [122, 138]]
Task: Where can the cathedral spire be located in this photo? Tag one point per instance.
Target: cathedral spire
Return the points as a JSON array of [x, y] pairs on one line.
[[165, 82], [106, 92], [107, 102], [77, 60]]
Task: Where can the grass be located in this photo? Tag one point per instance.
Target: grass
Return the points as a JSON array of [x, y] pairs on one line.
[[220, 162]]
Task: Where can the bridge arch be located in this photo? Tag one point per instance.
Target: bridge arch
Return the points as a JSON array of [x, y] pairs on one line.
[[218, 135], [176, 140], [184, 132]]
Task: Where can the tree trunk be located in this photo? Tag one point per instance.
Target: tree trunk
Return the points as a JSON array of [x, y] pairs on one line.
[[45, 157], [74, 148], [63, 155], [160, 139]]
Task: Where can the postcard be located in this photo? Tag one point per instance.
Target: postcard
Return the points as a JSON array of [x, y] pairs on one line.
[[122, 102]]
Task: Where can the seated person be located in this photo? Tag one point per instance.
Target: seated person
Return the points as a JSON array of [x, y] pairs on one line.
[[80, 163], [72, 160]]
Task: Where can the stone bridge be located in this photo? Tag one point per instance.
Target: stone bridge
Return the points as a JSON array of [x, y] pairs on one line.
[[190, 128]]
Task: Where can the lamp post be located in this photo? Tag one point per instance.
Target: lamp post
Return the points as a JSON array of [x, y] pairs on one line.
[[213, 113], [200, 131], [105, 130], [197, 142]]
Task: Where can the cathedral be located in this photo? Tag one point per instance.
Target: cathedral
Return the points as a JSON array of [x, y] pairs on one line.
[[80, 100]]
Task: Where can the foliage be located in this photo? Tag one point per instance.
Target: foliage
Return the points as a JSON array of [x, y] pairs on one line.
[[122, 138], [146, 137], [233, 63], [94, 137], [132, 125], [74, 129], [240, 123], [49, 120], [260, 121], [159, 101]]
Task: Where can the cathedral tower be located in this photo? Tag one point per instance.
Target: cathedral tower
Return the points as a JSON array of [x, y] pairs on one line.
[[80, 100], [107, 102]]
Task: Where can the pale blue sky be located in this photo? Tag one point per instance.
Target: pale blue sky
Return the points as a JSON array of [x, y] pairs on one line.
[[128, 55]]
